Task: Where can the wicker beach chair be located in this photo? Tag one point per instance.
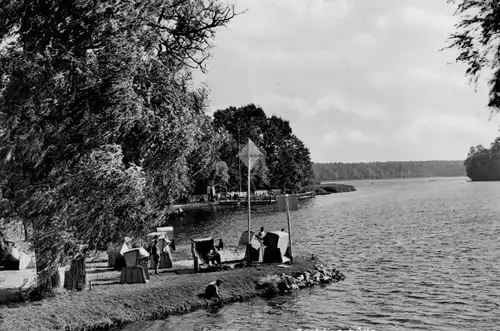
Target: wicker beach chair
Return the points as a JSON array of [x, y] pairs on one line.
[[200, 249], [136, 270]]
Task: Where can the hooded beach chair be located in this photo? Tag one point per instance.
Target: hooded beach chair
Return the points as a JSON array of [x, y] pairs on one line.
[[200, 249]]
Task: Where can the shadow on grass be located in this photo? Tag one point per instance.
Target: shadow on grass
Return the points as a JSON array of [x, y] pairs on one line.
[[100, 271], [178, 271], [105, 282]]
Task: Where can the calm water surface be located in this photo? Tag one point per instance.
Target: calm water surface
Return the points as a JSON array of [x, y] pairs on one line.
[[417, 255]]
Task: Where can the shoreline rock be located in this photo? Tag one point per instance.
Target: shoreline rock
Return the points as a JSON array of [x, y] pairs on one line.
[[283, 283]]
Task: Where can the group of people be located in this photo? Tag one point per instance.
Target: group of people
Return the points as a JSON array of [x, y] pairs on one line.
[[262, 233], [212, 289], [155, 252]]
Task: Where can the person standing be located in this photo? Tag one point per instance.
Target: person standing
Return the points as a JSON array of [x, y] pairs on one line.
[[261, 234], [221, 245], [155, 254]]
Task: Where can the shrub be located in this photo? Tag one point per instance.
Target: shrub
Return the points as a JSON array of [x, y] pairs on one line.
[[320, 191]]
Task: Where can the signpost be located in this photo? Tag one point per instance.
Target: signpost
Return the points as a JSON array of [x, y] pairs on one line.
[[287, 203], [249, 155]]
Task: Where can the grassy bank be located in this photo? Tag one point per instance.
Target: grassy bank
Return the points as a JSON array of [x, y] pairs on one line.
[[113, 304], [324, 189]]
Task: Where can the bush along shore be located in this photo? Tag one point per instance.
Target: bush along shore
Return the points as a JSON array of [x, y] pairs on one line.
[[114, 305], [324, 189]]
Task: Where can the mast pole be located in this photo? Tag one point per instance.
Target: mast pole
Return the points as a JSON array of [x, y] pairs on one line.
[[248, 196]]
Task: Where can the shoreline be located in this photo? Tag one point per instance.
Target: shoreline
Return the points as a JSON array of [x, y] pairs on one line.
[[110, 304], [354, 180], [328, 188], [331, 188]]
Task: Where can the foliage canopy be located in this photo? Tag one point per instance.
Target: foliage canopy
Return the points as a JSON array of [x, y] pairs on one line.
[[99, 124], [477, 42], [286, 165]]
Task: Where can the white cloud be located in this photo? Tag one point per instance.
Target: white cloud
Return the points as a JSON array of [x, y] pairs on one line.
[[382, 22], [425, 18], [364, 40], [278, 17], [431, 123], [277, 55], [358, 136], [330, 102], [331, 137], [434, 76], [412, 16], [327, 70], [459, 123], [350, 136], [381, 79]]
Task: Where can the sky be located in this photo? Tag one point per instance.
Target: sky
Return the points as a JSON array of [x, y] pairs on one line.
[[359, 81]]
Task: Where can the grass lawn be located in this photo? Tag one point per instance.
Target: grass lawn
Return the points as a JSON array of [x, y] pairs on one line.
[[110, 304]]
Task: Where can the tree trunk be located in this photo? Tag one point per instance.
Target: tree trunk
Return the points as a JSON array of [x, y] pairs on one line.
[[47, 279], [75, 278], [47, 261]]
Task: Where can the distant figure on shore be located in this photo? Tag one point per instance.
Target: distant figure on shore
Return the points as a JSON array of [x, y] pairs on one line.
[[155, 254], [221, 245], [212, 289], [261, 234]]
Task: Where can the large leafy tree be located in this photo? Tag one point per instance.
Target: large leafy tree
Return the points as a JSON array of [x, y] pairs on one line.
[[286, 163], [98, 121], [287, 157], [242, 123], [483, 162], [204, 160], [477, 42]]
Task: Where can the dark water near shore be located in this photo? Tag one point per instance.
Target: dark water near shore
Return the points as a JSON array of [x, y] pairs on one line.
[[417, 254]]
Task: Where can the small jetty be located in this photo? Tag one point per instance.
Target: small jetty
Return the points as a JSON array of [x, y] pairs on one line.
[[261, 200], [253, 201]]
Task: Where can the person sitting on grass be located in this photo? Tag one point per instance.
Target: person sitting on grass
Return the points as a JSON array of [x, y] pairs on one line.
[[212, 289]]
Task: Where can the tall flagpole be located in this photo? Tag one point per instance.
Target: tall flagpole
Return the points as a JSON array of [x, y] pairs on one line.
[[248, 196], [239, 164]]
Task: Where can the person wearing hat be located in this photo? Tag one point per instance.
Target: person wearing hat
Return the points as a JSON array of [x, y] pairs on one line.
[[212, 289]]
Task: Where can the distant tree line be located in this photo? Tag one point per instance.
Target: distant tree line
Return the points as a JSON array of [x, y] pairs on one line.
[[384, 170]]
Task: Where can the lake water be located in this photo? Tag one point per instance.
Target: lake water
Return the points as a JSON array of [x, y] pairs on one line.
[[417, 255]]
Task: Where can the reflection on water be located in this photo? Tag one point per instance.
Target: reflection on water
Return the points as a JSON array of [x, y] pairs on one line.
[[418, 255]]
